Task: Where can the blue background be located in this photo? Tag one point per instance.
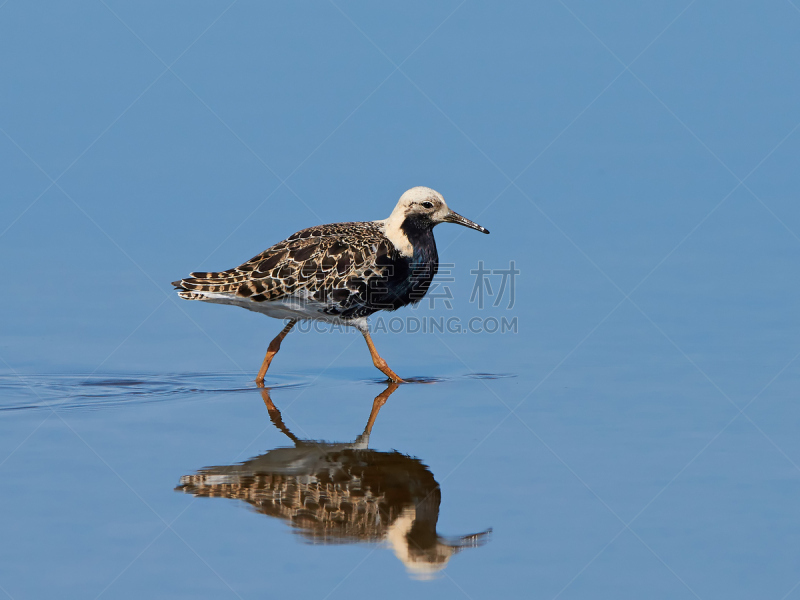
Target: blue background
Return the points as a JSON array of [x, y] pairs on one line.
[[638, 162]]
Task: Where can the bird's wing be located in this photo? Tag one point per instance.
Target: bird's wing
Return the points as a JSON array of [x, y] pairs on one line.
[[330, 263]]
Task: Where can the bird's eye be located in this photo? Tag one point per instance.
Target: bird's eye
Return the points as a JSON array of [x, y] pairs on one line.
[[427, 205]]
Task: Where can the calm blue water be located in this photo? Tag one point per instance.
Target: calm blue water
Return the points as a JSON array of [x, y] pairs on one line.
[[633, 435]]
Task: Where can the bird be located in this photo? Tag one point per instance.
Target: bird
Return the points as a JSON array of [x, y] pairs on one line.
[[339, 273], [340, 493]]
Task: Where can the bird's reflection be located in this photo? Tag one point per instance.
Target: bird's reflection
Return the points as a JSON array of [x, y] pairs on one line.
[[336, 493]]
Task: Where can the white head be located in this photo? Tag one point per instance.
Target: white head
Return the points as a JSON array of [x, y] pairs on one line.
[[426, 208]]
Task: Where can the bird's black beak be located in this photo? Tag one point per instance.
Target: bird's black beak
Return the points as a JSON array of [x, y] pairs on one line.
[[454, 217]]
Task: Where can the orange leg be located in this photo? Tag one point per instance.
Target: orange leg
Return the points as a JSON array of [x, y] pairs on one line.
[[377, 360], [272, 350]]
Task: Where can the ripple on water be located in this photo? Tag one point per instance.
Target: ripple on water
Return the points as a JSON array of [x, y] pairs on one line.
[[93, 392], [424, 379], [489, 375]]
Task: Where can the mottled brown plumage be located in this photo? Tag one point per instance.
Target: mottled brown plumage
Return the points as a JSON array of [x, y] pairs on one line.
[[343, 266]]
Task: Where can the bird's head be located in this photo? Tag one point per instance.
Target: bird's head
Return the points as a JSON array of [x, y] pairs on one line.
[[426, 208]]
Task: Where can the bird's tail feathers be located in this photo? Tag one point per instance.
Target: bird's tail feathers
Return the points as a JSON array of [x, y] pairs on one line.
[[203, 288]]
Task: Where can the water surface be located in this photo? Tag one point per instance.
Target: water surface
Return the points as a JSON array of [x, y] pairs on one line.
[[175, 486]]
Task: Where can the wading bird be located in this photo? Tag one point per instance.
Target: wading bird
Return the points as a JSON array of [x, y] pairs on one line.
[[339, 273]]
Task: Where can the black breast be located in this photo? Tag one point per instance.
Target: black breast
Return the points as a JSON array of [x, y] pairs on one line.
[[411, 277]]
